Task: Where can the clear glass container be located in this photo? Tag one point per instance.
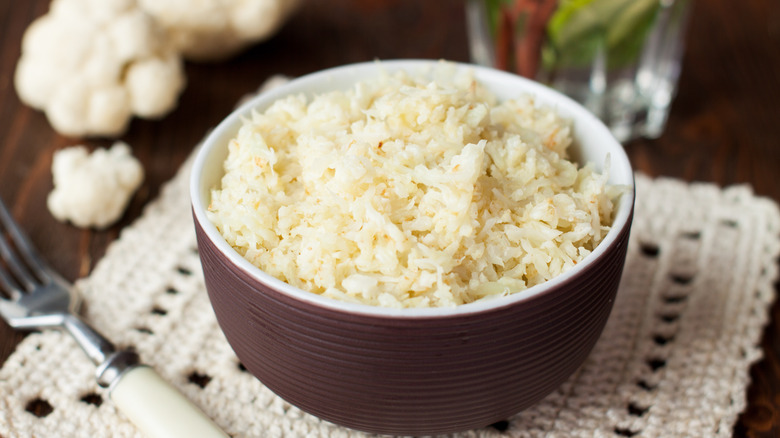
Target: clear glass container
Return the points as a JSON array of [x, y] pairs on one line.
[[619, 58]]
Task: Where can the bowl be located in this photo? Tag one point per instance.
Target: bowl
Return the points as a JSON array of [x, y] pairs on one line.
[[421, 371]]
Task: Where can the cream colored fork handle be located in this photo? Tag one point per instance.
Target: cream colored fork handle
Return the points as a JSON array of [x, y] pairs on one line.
[[158, 409]]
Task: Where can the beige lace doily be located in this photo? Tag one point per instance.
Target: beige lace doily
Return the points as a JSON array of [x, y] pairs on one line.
[[672, 362]]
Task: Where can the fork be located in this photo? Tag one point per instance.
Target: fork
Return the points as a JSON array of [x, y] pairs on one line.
[[33, 296]]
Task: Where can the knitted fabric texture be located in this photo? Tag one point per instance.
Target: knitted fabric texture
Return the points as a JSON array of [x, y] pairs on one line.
[[672, 361]]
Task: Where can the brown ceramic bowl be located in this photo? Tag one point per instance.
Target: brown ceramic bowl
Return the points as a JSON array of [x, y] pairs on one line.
[[413, 371]]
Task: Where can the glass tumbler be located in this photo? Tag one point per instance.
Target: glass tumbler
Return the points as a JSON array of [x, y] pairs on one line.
[[619, 58]]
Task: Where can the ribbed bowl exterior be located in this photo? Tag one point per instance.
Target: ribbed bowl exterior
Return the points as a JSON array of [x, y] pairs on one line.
[[412, 375]]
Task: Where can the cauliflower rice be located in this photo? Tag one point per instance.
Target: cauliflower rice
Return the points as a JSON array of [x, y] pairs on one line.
[[410, 192]]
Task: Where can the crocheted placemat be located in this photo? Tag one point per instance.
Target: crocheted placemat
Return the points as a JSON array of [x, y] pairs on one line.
[[673, 359]]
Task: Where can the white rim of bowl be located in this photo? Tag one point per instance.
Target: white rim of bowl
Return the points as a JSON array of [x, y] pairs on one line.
[[621, 172]]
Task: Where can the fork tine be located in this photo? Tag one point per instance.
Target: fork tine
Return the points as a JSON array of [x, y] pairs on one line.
[[12, 264], [36, 270], [13, 279], [8, 286]]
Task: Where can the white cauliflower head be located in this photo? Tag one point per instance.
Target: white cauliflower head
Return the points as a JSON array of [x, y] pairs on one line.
[[93, 190], [210, 30], [91, 65]]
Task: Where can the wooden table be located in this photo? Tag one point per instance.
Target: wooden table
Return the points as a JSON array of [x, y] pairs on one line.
[[724, 125]]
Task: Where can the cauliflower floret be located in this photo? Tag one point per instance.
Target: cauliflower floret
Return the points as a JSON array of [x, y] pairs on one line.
[[91, 65], [93, 190], [212, 30]]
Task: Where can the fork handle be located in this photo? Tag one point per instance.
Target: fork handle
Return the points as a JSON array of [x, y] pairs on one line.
[[158, 409], [155, 406]]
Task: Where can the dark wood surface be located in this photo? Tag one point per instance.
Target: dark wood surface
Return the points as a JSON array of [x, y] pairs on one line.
[[724, 125]]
